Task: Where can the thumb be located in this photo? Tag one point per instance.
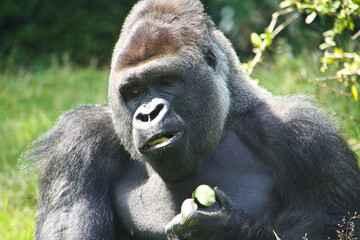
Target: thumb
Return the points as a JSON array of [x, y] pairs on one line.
[[223, 200]]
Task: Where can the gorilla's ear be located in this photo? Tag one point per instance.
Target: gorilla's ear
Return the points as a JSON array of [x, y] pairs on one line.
[[210, 57]]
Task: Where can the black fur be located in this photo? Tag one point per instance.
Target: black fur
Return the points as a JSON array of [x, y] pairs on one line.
[[279, 164]]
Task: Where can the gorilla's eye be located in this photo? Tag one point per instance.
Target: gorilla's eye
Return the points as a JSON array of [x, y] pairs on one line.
[[165, 81], [135, 92], [210, 58], [130, 91]]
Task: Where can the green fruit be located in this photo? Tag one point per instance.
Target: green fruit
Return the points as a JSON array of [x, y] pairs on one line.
[[157, 140], [204, 195]]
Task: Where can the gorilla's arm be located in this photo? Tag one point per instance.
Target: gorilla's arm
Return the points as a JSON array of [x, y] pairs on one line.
[[229, 222], [310, 161], [79, 161]]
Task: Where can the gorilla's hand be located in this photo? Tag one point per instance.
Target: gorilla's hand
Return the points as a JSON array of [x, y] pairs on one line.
[[192, 223]]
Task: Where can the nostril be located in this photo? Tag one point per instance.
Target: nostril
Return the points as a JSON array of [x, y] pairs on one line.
[[142, 117], [156, 111]]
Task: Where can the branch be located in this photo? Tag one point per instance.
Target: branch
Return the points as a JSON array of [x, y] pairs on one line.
[[341, 55], [285, 24], [275, 17], [320, 79], [334, 90], [259, 51], [355, 35]]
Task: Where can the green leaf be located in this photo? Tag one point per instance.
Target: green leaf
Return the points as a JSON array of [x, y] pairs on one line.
[[327, 60], [267, 36], [310, 18], [355, 92], [323, 46], [255, 40], [351, 26], [329, 33], [338, 51], [157, 140], [285, 4]]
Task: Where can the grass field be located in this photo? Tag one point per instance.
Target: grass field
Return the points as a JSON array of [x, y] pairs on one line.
[[31, 101]]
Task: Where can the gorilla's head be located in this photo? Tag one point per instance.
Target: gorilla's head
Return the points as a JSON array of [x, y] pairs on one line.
[[169, 85]]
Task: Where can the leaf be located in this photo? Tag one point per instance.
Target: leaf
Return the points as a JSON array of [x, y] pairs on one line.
[[327, 60], [338, 51], [324, 46], [351, 26], [285, 4], [267, 36], [355, 92], [255, 40], [329, 33], [310, 18], [329, 41]]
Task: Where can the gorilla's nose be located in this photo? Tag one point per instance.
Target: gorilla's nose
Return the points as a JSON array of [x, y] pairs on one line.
[[151, 113]]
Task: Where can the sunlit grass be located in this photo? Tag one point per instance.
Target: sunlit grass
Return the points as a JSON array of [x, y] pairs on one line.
[[30, 103]]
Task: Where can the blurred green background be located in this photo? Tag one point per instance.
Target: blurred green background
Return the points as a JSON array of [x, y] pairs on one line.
[[54, 56], [39, 31]]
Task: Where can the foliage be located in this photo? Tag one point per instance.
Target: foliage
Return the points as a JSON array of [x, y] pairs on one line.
[[33, 32], [37, 30], [344, 15], [347, 227]]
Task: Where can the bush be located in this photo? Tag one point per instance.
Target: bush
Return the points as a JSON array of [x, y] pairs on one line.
[[35, 30]]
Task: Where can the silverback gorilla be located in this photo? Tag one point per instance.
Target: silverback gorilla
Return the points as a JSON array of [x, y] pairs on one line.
[[181, 113]]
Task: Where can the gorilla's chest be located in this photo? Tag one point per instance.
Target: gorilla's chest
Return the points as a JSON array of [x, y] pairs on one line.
[[144, 208], [145, 204]]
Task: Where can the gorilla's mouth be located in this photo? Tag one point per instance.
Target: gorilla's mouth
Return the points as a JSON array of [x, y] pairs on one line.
[[161, 140]]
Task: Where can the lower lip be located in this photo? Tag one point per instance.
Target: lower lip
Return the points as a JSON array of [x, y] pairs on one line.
[[164, 143]]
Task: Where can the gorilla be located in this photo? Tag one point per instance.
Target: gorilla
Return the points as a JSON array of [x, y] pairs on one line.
[[182, 113]]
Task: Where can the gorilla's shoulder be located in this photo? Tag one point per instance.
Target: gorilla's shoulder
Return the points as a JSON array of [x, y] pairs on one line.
[[82, 135], [90, 124], [299, 113], [294, 121], [87, 119]]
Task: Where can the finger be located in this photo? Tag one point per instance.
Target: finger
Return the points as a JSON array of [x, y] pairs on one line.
[[171, 226], [187, 208], [222, 198]]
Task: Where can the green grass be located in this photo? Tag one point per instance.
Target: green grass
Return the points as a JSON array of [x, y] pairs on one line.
[[31, 101]]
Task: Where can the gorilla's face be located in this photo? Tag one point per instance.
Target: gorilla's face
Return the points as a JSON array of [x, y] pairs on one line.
[[169, 101], [169, 113]]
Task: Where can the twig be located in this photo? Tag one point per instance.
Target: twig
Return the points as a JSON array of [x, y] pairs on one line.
[[276, 15], [259, 51], [355, 35], [285, 24], [341, 55], [320, 79]]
